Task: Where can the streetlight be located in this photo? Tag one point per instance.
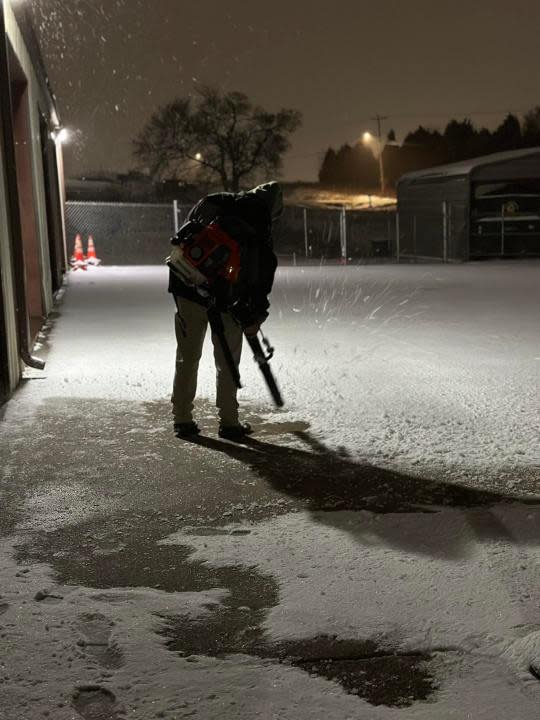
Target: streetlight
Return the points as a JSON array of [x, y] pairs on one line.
[[368, 139]]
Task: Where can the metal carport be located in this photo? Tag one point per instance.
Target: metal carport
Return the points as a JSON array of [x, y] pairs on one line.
[[487, 206]]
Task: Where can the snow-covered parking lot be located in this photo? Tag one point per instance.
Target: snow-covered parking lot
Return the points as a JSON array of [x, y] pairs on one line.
[[373, 553]]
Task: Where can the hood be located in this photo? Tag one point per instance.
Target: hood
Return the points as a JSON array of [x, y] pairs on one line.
[[272, 196]]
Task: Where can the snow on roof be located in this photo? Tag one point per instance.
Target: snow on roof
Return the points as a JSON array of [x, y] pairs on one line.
[[467, 167]]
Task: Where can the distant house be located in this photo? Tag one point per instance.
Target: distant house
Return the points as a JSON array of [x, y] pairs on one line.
[[32, 238], [485, 207]]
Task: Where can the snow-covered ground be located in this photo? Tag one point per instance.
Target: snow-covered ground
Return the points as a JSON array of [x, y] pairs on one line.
[[384, 521]]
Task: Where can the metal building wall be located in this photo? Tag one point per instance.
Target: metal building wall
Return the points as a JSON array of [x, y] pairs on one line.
[[8, 322], [520, 168], [36, 100], [13, 323], [496, 232]]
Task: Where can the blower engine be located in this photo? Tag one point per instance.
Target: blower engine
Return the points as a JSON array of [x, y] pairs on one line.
[[208, 255]]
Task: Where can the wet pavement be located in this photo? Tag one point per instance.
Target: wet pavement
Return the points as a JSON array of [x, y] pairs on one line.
[[92, 486]]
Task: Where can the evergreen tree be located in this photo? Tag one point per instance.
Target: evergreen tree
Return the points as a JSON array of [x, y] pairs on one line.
[[531, 128], [328, 173], [344, 164], [484, 143], [365, 168], [353, 167], [508, 135], [460, 137], [423, 148], [422, 136]]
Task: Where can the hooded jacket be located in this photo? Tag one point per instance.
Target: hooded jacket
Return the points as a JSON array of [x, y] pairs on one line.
[[248, 217]]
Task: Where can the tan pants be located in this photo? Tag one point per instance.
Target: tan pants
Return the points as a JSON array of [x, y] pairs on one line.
[[191, 323]]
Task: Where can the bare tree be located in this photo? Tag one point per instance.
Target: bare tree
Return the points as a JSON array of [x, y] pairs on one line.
[[215, 137]]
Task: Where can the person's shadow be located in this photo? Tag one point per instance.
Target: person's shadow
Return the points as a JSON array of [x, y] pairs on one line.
[[329, 483]]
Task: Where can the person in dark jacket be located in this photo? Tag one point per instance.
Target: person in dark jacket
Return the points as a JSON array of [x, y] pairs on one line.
[[247, 217]]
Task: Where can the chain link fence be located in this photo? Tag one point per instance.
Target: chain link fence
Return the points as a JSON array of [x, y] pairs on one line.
[[426, 233], [124, 233], [334, 233], [139, 234]]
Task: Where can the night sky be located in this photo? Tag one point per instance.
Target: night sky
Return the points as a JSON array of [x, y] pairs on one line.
[[339, 63]]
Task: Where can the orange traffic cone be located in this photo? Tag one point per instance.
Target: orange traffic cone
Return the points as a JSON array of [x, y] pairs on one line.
[[78, 260], [91, 254]]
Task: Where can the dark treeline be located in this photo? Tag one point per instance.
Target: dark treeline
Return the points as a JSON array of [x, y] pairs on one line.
[[356, 167]]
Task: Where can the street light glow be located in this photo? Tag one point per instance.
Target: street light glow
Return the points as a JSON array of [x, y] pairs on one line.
[[377, 148], [198, 157]]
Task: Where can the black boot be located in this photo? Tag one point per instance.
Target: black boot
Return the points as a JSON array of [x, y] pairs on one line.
[[186, 429], [235, 433]]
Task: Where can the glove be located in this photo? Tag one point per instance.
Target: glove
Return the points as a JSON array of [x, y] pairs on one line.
[[243, 312]]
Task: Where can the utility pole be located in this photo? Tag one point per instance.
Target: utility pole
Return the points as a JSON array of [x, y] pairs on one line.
[[379, 120]]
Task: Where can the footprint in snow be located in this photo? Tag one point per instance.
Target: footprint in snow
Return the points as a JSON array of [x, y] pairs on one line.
[[96, 630], [93, 702]]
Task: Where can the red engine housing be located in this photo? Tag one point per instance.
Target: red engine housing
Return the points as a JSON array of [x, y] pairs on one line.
[[214, 254]]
